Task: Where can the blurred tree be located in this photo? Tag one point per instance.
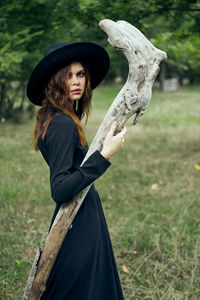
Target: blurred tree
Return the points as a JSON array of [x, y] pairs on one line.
[[28, 27], [18, 32], [178, 34], [171, 25]]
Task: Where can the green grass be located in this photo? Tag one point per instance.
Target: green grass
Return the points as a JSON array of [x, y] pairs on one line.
[[150, 196]]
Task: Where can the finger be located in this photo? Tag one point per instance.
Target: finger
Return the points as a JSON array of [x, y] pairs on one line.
[[123, 131], [112, 128]]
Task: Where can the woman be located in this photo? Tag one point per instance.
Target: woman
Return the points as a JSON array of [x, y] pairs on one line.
[[61, 83]]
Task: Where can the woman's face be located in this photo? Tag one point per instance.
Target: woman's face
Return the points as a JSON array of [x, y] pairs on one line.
[[76, 80]]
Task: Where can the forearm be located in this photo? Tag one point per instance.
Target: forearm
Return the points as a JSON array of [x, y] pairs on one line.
[[65, 187]]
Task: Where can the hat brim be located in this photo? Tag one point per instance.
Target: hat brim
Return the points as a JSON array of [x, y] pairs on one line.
[[91, 54]]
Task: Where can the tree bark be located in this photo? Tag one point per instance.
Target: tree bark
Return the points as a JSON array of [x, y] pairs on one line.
[[23, 98], [2, 100], [134, 97], [162, 75]]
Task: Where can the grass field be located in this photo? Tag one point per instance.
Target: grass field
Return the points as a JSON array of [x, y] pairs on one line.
[[150, 196]]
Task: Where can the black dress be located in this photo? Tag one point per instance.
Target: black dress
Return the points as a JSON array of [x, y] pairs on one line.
[[85, 268]]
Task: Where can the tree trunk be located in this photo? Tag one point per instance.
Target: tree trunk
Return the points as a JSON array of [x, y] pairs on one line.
[[2, 100], [162, 74], [134, 97], [23, 90]]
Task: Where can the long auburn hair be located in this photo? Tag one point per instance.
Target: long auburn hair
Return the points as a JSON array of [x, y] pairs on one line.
[[57, 99]]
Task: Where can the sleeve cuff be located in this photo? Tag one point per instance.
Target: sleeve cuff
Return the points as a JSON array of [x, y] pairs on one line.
[[102, 163]]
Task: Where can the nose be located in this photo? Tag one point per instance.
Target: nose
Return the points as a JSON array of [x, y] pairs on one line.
[[75, 80]]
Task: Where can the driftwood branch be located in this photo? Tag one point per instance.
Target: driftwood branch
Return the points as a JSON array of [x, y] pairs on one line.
[[134, 97]]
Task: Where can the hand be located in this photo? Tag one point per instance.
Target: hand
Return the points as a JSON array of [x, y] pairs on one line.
[[113, 143]]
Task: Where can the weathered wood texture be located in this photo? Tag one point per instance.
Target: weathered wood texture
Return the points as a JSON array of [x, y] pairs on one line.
[[134, 97]]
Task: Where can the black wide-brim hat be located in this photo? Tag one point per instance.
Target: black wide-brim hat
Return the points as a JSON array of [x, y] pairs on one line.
[[59, 55]]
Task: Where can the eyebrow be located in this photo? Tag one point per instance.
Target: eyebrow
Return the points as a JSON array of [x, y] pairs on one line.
[[82, 70]]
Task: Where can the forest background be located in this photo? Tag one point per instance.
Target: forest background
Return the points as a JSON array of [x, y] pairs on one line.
[[28, 27], [150, 194]]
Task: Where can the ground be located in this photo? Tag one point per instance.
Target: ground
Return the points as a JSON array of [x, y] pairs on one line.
[[150, 197]]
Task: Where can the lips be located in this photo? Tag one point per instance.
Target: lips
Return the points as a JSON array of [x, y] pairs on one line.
[[76, 91]]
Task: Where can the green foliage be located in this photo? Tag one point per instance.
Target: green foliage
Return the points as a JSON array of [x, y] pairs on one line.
[[183, 53], [28, 27]]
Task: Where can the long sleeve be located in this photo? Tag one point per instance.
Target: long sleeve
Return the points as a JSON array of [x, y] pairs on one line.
[[67, 180]]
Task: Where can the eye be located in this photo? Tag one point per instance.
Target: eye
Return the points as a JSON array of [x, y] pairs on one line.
[[69, 75], [81, 74]]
